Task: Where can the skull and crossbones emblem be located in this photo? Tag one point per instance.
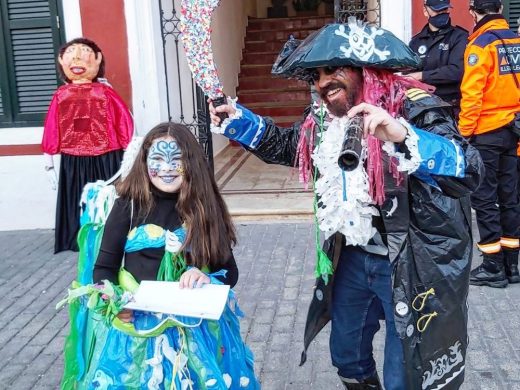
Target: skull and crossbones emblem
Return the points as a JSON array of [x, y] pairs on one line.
[[361, 41]]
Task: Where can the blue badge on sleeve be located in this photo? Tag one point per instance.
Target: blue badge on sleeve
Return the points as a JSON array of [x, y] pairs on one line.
[[472, 59]]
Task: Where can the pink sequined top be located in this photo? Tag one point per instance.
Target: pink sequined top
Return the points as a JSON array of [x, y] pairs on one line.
[[86, 120]]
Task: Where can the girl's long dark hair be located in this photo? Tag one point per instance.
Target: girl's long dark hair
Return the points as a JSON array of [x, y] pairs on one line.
[[210, 232]]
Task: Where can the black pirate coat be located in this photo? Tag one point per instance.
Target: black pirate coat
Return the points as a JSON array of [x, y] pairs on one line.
[[428, 237]]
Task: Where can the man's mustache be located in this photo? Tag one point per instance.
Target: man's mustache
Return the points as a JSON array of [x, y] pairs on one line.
[[330, 87]]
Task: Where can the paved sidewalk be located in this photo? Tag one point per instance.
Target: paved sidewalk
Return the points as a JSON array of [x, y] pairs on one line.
[[276, 264]]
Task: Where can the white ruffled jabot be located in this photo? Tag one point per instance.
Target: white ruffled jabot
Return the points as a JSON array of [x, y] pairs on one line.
[[344, 204]]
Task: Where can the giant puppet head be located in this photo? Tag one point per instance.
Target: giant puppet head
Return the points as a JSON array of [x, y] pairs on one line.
[[81, 61]]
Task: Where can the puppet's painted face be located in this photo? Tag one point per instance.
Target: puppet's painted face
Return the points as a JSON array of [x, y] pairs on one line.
[[165, 166], [80, 63]]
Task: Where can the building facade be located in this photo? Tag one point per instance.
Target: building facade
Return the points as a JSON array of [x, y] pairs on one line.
[[145, 64]]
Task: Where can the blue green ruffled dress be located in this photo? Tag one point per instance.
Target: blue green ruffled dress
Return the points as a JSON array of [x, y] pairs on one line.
[[154, 351]]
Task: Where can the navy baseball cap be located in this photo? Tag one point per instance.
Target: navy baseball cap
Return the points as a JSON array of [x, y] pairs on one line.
[[438, 5], [479, 4]]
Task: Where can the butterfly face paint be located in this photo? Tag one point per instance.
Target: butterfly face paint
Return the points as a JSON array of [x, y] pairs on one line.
[[165, 164]]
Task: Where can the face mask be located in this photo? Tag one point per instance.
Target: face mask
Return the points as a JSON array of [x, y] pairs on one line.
[[440, 20]]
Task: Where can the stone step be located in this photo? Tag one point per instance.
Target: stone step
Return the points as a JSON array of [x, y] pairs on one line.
[[259, 46], [255, 70], [259, 58], [275, 36], [274, 96], [313, 22], [283, 100], [267, 82], [281, 104], [294, 108]]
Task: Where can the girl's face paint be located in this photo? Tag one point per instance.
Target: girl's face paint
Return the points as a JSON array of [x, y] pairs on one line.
[[165, 164]]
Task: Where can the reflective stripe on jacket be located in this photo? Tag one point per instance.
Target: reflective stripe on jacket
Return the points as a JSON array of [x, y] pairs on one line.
[[490, 96]]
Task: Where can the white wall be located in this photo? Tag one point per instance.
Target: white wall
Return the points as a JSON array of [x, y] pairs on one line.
[[146, 64], [72, 19], [26, 198], [396, 16], [229, 28], [229, 24]]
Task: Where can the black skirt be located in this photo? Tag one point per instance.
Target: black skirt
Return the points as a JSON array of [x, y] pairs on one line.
[[75, 172]]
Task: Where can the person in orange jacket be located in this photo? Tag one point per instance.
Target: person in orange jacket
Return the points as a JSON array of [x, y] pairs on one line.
[[490, 100]]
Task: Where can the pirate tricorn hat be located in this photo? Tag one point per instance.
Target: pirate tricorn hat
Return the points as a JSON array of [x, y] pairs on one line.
[[354, 44]]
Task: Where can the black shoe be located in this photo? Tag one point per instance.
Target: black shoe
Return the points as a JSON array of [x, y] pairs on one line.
[[371, 383], [481, 276], [511, 265], [512, 273]]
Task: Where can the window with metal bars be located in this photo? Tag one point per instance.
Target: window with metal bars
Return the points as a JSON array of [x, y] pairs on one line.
[[365, 10], [29, 41]]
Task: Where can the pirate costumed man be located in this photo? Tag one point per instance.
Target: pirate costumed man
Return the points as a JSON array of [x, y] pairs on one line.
[[395, 212], [90, 126]]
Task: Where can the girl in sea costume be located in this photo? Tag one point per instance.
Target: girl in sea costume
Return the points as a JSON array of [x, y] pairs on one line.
[[169, 223]]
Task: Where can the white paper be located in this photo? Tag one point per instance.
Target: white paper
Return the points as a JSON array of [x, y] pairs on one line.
[[166, 297]]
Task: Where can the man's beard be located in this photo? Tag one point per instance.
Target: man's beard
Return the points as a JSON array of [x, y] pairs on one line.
[[339, 108]]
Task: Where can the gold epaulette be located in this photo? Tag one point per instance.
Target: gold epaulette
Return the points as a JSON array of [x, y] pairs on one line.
[[415, 94]]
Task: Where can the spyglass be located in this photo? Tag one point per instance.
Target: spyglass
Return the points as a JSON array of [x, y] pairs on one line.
[[351, 148]]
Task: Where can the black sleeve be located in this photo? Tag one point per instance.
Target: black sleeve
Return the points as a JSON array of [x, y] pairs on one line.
[[438, 120], [278, 144], [414, 44], [113, 242], [231, 277]]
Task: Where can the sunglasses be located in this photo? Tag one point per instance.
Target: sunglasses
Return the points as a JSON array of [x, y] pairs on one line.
[[314, 74]]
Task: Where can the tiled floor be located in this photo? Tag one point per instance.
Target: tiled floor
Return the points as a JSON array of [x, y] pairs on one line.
[[254, 189]]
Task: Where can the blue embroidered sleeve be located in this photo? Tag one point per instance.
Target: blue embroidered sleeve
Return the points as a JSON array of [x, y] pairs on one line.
[[439, 155], [247, 129]]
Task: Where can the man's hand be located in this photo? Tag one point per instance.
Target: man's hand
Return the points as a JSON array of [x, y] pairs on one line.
[[193, 278], [215, 120], [52, 177], [379, 123], [415, 75]]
